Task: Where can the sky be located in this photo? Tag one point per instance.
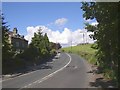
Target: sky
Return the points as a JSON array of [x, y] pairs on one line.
[[62, 21]]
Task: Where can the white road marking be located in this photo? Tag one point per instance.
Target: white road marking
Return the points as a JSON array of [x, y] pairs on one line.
[[50, 75], [19, 76]]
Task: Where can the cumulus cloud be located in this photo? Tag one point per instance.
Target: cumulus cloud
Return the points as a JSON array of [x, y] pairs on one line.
[[65, 38], [94, 23], [61, 21]]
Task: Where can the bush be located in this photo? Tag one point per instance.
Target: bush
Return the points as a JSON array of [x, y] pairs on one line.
[[19, 63], [53, 52], [44, 52], [63, 50]]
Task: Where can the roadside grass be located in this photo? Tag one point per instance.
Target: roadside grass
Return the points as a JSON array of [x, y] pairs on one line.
[[86, 51]]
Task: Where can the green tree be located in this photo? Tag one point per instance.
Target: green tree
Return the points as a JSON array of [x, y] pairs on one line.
[[39, 50], [6, 46], [7, 52], [41, 43], [47, 43], [106, 33], [37, 41]]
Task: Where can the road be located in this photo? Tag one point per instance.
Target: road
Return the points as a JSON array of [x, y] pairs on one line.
[[69, 71]]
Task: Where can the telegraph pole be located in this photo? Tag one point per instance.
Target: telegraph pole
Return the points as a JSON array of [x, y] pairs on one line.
[[83, 36], [71, 42], [71, 45]]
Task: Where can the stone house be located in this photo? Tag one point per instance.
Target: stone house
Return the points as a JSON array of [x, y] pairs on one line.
[[18, 42]]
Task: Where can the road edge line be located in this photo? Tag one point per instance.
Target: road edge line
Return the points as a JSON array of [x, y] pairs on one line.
[[50, 75]]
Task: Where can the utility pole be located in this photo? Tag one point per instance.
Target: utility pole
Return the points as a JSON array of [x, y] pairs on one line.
[[71, 45], [86, 37], [71, 42], [83, 36]]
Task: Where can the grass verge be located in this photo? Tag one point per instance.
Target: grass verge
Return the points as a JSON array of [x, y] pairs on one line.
[[86, 51]]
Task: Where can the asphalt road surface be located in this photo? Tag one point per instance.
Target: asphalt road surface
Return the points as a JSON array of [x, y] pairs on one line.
[[67, 71]]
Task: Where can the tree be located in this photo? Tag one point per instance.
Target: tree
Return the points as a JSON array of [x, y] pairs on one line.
[[41, 43], [106, 33], [39, 50], [55, 45], [46, 42], [7, 52], [6, 46]]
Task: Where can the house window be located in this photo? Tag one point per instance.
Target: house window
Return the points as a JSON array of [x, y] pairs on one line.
[[17, 44]]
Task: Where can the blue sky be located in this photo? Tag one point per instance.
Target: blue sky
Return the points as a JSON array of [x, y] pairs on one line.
[[32, 14], [21, 15]]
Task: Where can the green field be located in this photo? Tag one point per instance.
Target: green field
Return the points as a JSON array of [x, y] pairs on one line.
[[84, 51]]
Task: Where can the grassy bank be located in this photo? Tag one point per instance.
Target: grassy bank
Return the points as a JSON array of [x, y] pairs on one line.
[[84, 51]]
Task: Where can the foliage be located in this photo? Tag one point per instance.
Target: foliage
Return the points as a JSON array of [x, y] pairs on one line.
[[29, 55], [40, 47], [41, 43], [6, 46], [7, 52], [44, 52], [55, 45], [53, 52], [106, 32]]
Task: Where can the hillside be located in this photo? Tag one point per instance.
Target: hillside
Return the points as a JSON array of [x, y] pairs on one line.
[[85, 51]]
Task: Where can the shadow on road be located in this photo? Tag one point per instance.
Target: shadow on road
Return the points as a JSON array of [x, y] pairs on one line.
[[36, 67], [27, 69], [100, 82]]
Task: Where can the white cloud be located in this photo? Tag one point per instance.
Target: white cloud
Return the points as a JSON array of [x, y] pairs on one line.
[[91, 22], [94, 23], [61, 21], [88, 20], [64, 38]]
